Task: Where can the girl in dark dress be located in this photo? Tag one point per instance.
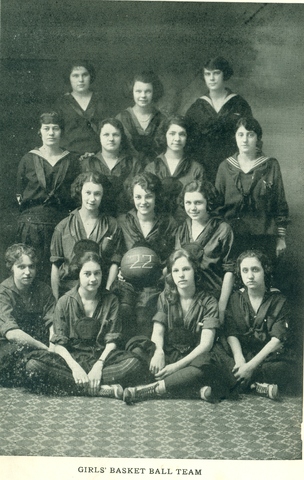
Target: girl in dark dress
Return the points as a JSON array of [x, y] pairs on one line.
[[174, 138], [44, 177], [89, 221], [253, 194], [257, 327], [26, 314], [215, 115], [85, 359], [184, 330], [115, 160], [141, 121], [82, 109]]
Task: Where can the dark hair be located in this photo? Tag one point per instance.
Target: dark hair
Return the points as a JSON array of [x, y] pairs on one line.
[[207, 190], [125, 146], [264, 261], [164, 126], [79, 63], [94, 177], [78, 262], [15, 252], [251, 124], [81, 248], [146, 77], [148, 182], [51, 117], [171, 292], [220, 63]]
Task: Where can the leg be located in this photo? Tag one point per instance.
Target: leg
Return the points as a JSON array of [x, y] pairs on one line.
[[124, 369], [47, 372]]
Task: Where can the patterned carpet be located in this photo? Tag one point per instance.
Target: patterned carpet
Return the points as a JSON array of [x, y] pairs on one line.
[[251, 428]]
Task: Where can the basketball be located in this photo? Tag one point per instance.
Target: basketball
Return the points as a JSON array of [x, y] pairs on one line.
[[141, 266]]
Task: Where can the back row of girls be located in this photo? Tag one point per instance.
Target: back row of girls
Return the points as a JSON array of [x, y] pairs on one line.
[[148, 161]]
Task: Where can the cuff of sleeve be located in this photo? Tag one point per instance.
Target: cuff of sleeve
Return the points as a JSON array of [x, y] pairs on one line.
[[281, 232]]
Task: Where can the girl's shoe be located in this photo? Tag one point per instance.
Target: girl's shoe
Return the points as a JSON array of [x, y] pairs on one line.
[[132, 394], [112, 391], [266, 390], [206, 394]]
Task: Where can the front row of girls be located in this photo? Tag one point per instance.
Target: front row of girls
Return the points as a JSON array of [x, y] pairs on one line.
[[187, 353]]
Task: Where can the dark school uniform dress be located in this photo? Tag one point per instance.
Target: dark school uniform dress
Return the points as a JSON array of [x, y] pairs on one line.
[[255, 330], [187, 170], [32, 314], [215, 130], [43, 191], [183, 334], [106, 233], [120, 177], [81, 126], [138, 304], [143, 141], [254, 203], [214, 245], [85, 338]]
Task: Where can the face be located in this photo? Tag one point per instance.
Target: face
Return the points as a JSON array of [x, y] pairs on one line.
[[80, 80], [50, 134], [91, 195], [90, 276], [183, 273], [214, 79], [144, 201], [176, 138], [110, 138], [252, 273], [246, 140], [24, 272], [142, 94], [196, 206]]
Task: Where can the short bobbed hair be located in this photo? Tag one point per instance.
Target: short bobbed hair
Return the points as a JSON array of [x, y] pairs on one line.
[[164, 126], [220, 63], [76, 64], [15, 252], [264, 261], [124, 144], [94, 177], [171, 292], [208, 191], [148, 182], [252, 125], [147, 76], [51, 117]]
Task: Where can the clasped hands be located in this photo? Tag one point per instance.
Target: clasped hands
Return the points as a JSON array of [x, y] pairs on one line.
[[89, 382]]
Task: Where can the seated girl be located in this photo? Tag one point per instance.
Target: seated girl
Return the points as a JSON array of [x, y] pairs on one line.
[[173, 137], [85, 359], [141, 121], [184, 330], [257, 330], [86, 222], [115, 160], [26, 308], [145, 225], [213, 238]]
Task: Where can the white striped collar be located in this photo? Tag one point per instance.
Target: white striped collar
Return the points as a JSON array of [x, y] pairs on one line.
[[258, 161], [36, 151]]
